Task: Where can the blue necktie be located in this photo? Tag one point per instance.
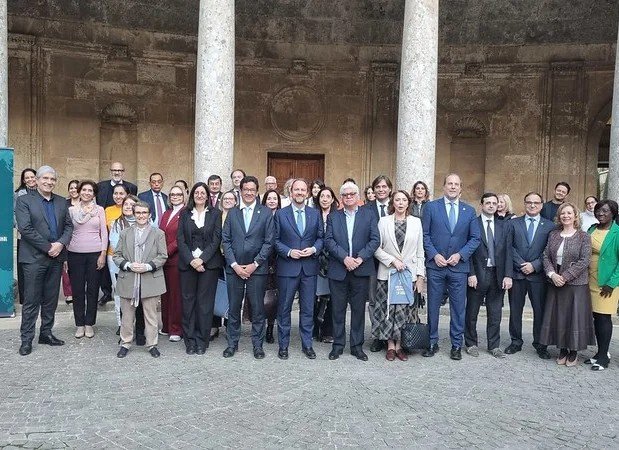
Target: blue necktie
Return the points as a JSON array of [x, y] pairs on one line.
[[247, 218], [452, 216], [530, 230], [300, 226]]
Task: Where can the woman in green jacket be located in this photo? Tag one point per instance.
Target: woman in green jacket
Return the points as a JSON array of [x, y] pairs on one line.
[[604, 278]]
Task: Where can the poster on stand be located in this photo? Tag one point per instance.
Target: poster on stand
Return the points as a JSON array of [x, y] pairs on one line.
[[6, 233]]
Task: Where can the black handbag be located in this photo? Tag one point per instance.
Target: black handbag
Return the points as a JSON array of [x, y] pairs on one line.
[[415, 336]]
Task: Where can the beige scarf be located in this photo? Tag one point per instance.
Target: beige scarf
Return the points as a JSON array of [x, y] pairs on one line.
[[139, 256]]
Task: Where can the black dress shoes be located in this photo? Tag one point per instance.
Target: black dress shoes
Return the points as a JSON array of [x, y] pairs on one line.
[[429, 352], [191, 350], [25, 348], [259, 353], [456, 353], [360, 355], [229, 352], [103, 300], [122, 352], [50, 340], [377, 345], [282, 353], [154, 352], [310, 353], [140, 340], [334, 354], [512, 348], [542, 352], [213, 336], [200, 350]]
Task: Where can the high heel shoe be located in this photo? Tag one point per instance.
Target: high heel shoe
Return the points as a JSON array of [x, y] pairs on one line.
[[572, 359], [561, 360], [269, 334]]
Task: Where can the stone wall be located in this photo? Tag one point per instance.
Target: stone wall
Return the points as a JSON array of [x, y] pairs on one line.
[[524, 87]]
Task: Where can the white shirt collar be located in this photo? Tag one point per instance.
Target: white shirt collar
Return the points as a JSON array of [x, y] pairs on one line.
[[242, 205], [455, 202]]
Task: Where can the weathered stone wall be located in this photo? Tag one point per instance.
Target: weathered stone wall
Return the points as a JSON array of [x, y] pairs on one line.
[[524, 87]]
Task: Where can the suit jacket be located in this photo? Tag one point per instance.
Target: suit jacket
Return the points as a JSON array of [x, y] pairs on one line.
[[576, 257], [365, 241], [218, 203], [372, 207], [255, 245], [171, 231], [287, 237], [211, 233], [438, 237], [502, 252], [608, 264], [412, 253], [522, 251], [149, 198], [34, 228], [155, 253], [105, 191]]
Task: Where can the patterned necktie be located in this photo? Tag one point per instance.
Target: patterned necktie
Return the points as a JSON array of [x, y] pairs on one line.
[[452, 216], [530, 230], [300, 226], [490, 239], [382, 211], [158, 208], [247, 217], [213, 200]]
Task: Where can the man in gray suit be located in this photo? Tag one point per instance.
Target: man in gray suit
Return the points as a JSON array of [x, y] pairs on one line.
[[46, 227], [248, 237], [140, 255]]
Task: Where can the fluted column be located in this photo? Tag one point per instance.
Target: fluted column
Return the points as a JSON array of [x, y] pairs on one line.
[[4, 77], [418, 85], [613, 154], [214, 133]]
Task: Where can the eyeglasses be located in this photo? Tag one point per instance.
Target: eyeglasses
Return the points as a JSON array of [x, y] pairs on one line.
[[532, 203], [349, 194], [248, 190], [228, 199], [117, 170], [176, 194], [141, 213]]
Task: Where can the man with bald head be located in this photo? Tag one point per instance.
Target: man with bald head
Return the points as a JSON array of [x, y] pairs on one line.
[[106, 187]]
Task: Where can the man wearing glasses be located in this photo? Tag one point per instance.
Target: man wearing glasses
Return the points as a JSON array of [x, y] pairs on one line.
[[528, 235], [106, 187]]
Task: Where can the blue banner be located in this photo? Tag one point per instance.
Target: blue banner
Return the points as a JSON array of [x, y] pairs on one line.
[[6, 232]]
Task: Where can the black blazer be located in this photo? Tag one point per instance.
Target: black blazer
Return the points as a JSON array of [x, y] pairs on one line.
[[34, 228], [212, 236], [105, 191], [502, 252]]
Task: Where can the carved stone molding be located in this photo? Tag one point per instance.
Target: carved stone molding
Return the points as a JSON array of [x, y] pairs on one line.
[[469, 127], [119, 113], [298, 67], [297, 113]]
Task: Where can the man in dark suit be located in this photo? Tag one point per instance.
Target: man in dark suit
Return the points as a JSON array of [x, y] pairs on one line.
[[214, 190], [490, 275], [351, 238], [381, 187], [105, 191], [529, 235], [450, 236], [156, 199], [298, 239], [105, 188], [236, 176], [248, 238], [46, 227]]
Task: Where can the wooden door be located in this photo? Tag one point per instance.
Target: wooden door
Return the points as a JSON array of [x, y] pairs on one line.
[[295, 165]]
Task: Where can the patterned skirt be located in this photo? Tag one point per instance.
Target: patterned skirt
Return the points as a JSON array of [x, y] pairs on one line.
[[383, 327]]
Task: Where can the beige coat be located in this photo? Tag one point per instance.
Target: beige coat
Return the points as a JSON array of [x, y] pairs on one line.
[[153, 283], [412, 253]]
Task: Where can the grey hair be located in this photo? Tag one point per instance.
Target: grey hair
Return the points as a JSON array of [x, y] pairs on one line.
[[349, 185], [141, 204], [46, 169]]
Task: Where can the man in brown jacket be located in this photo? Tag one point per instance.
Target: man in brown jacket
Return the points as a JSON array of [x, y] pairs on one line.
[[140, 255]]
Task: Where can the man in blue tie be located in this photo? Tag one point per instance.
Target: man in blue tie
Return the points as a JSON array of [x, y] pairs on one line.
[[298, 238], [450, 236], [528, 235]]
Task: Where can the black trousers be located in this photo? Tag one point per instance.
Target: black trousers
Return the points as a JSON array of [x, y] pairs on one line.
[[85, 286], [106, 283], [487, 288], [537, 296], [40, 293], [255, 288], [198, 301], [323, 317], [20, 276], [352, 290]]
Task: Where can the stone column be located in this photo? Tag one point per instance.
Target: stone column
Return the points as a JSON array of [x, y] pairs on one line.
[[214, 133], [613, 152], [4, 77], [418, 85]]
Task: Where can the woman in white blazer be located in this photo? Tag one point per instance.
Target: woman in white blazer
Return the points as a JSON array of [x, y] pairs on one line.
[[401, 246]]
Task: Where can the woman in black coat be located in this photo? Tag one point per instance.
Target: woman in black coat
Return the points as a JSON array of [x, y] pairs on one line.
[[200, 260]]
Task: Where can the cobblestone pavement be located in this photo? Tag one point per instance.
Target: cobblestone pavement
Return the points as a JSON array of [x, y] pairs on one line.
[[82, 396]]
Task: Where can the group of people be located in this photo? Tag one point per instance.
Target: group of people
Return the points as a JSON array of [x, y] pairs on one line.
[[330, 251]]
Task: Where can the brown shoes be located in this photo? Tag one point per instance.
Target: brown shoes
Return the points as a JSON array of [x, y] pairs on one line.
[[401, 355], [391, 354]]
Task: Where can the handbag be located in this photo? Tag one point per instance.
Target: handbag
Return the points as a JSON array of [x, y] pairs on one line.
[[270, 306], [415, 336], [222, 304], [400, 288]]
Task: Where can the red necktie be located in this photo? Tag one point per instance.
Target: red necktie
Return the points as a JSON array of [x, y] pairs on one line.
[[158, 208]]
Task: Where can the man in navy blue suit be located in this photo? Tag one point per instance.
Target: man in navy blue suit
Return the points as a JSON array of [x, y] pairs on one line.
[[298, 238], [529, 235], [351, 238], [156, 199], [450, 236], [247, 238]]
